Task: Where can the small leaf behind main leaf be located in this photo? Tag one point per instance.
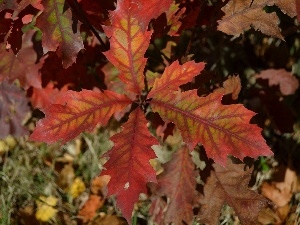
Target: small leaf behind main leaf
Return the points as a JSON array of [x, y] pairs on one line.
[[75, 112], [128, 44], [222, 129], [128, 165], [176, 75], [56, 25], [178, 182]]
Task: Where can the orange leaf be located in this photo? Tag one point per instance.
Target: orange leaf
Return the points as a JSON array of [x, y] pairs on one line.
[[222, 129], [75, 112], [128, 164], [88, 211], [129, 39], [176, 75]]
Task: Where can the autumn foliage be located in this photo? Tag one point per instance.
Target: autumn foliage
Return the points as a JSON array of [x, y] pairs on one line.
[[82, 80]]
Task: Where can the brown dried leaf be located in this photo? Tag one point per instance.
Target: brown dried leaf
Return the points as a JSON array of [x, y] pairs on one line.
[[241, 15], [233, 85], [288, 84], [230, 186], [287, 6]]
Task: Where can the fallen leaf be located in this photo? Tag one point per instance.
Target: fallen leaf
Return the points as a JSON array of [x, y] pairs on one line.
[[88, 211], [77, 187], [99, 185], [45, 208]]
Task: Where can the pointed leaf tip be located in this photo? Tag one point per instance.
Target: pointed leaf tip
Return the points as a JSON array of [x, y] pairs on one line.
[[128, 164], [176, 75], [222, 129], [75, 112]]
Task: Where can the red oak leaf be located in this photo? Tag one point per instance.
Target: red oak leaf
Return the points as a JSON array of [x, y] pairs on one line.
[[129, 39], [58, 35], [43, 97], [13, 109], [230, 186], [176, 75], [144, 11], [75, 112], [22, 66], [222, 129], [128, 164], [178, 183]]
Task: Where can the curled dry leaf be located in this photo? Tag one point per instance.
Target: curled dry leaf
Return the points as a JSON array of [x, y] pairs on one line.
[[288, 84]]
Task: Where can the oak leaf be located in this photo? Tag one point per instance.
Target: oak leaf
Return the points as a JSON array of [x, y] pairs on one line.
[[241, 15], [222, 129], [178, 183], [230, 186], [22, 66], [128, 163], [42, 97], [56, 25], [129, 39], [176, 75], [75, 112], [144, 11], [288, 84]]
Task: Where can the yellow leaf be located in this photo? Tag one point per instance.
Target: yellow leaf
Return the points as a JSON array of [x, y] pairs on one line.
[[45, 210], [77, 188]]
